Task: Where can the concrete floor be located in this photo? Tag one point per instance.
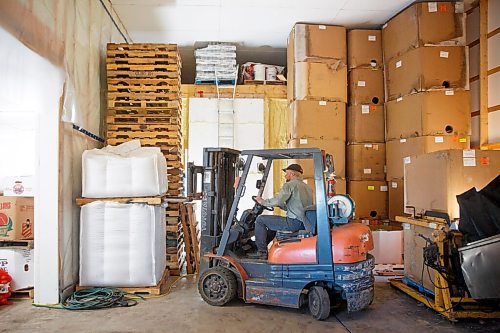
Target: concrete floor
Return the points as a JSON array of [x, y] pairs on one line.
[[183, 311]]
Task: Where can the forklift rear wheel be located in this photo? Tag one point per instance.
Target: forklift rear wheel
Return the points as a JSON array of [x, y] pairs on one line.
[[217, 286], [319, 303]]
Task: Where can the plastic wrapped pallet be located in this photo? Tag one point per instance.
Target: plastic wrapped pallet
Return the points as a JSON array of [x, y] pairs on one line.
[[217, 61], [126, 170], [121, 245]]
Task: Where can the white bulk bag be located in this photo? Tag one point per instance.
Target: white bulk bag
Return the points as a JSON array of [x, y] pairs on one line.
[[126, 170], [122, 245]]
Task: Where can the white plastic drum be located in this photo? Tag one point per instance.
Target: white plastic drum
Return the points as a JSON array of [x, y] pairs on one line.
[[271, 73], [259, 72]]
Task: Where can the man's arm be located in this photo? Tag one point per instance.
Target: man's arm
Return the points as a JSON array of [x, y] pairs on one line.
[[280, 199]]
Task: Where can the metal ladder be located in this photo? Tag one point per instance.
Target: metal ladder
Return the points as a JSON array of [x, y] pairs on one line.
[[225, 110]]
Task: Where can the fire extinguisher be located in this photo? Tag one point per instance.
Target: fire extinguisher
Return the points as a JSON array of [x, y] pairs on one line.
[[5, 280], [330, 192]]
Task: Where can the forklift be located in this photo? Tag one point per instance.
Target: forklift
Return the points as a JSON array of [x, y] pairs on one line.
[[326, 263]]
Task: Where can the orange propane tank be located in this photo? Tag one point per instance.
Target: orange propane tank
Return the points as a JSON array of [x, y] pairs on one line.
[[351, 243]]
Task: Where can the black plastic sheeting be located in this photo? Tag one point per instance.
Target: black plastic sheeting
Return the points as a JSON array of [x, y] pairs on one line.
[[480, 211]]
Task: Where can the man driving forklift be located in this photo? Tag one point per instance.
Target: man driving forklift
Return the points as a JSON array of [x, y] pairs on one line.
[[293, 197]]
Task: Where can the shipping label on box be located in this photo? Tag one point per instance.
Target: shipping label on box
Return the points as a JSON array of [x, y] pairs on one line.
[[22, 186], [16, 218]]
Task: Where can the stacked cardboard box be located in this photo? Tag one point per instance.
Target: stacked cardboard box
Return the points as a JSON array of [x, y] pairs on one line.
[[427, 106], [317, 93], [365, 125], [144, 103]]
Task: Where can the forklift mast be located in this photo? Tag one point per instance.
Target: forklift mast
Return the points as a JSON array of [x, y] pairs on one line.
[[220, 171]]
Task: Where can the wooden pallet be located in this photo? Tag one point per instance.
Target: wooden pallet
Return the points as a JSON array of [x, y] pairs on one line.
[[153, 290], [143, 89], [143, 67], [134, 97], [143, 112], [147, 200], [260, 82], [143, 74], [143, 135], [149, 142], [143, 120], [195, 237], [142, 46], [139, 58], [389, 270], [165, 104], [143, 127], [144, 83], [27, 293]]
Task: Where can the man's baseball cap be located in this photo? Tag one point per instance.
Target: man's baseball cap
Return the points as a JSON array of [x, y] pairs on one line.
[[294, 167]]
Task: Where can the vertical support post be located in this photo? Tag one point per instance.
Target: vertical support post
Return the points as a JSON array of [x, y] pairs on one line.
[[483, 72]]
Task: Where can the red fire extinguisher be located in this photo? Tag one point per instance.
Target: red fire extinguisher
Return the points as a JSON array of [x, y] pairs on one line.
[[330, 192], [5, 280]]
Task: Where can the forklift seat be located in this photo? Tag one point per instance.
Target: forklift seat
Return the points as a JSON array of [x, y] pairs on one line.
[[311, 219]]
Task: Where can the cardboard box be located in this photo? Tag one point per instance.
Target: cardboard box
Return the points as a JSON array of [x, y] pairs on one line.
[[364, 48], [423, 24], [336, 148], [366, 161], [318, 120], [370, 198], [16, 218], [366, 86], [429, 113], [388, 247], [317, 81], [317, 42], [365, 123], [433, 181], [22, 186], [401, 151], [340, 186], [396, 198], [426, 68], [413, 254], [18, 262]]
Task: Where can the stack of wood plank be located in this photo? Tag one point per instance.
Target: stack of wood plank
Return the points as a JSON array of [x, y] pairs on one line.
[[144, 103], [191, 234]]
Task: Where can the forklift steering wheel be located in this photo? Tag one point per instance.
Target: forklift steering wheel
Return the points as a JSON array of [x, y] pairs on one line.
[[254, 198]]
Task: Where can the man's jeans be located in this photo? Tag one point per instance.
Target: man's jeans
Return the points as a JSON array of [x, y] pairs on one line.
[[273, 223]]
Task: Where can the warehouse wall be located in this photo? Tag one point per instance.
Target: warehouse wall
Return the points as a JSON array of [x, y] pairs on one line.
[[64, 47], [473, 24]]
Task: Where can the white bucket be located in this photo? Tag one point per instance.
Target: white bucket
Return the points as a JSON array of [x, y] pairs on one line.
[[259, 72], [271, 73]]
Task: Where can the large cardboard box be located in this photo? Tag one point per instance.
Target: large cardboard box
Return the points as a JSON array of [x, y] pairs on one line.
[[366, 161], [18, 262], [364, 48], [401, 151], [317, 81], [413, 254], [366, 86], [426, 68], [365, 123], [396, 198], [16, 218], [316, 43], [388, 247], [370, 197], [318, 120], [429, 113], [423, 24], [432, 181], [336, 148]]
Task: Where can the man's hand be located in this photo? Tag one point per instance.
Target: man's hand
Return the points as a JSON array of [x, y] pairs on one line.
[[259, 199]]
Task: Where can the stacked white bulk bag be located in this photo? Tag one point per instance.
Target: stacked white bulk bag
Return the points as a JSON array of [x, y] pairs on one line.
[[126, 170], [121, 245]]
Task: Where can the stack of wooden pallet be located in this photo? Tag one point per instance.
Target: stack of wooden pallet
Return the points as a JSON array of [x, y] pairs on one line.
[[144, 103]]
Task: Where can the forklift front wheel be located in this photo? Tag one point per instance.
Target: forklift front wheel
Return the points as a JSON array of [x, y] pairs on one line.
[[217, 286], [319, 303]]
